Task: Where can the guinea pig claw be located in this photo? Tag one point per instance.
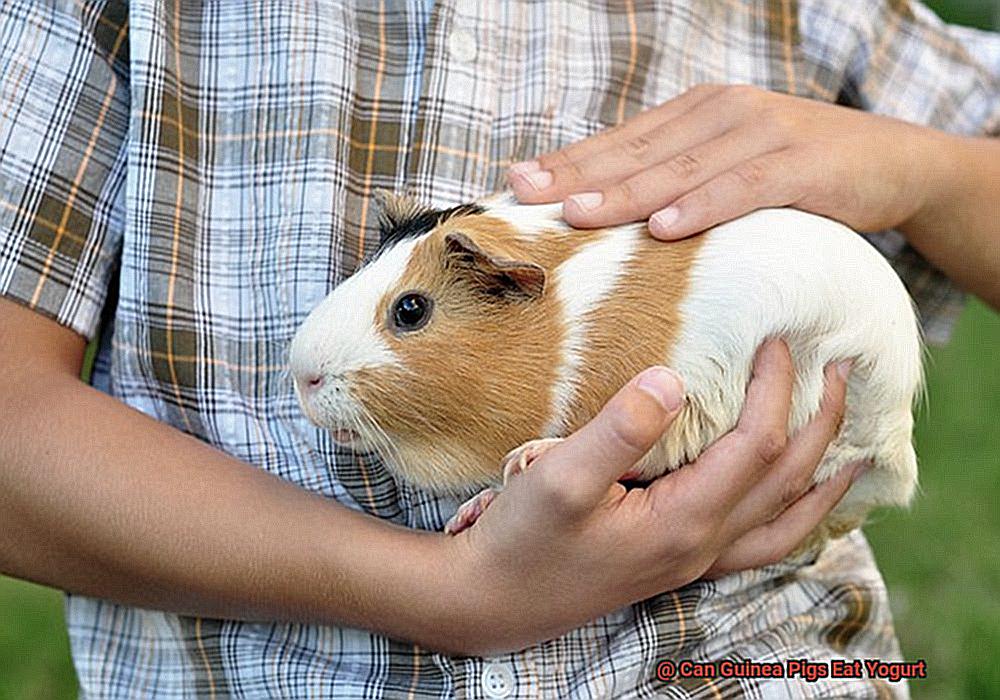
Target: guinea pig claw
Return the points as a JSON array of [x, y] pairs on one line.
[[516, 461], [521, 458], [468, 513]]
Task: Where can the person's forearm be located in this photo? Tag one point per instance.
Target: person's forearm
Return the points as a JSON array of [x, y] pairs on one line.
[[958, 228], [102, 500], [717, 152]]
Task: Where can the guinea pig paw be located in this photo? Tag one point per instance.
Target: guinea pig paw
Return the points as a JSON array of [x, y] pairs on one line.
[[468, 513], [521, 458]]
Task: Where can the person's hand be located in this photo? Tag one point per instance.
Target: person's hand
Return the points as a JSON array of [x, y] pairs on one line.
[[717, 152], [565, 542]]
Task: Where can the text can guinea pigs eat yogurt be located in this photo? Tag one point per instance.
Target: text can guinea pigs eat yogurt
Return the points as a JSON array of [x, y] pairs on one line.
[[479, 328]]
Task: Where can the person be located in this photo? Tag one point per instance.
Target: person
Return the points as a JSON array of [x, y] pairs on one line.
[[186, 181]]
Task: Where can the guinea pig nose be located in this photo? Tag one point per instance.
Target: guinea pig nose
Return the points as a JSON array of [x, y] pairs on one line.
[[311, 381]]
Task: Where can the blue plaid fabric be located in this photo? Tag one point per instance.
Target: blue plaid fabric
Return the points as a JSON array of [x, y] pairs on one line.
[[198, 175]]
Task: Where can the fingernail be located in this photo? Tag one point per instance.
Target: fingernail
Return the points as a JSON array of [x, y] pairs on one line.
[[664, 385], [586, 201], [537, 179], [861, 469], [524, 167], [661, 221], [844, 368]]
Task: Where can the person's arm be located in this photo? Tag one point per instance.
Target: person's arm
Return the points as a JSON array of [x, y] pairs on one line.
[[98, 499], [717, 152], [958, 225]]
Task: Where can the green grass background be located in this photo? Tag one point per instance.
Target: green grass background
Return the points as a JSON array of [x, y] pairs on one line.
[[941, 559]]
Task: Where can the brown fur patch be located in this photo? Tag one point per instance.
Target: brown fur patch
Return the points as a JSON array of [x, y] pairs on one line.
[[638, 324]]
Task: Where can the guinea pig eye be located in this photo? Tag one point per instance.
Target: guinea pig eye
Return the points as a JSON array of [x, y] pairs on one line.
[[411, 312]]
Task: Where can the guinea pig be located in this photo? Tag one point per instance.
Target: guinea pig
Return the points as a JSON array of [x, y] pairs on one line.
[[479, 328]]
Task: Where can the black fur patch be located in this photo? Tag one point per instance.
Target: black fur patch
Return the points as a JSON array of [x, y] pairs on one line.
[[392, 231]]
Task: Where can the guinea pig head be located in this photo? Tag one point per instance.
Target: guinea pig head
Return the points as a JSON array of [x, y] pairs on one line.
[[440, 354]]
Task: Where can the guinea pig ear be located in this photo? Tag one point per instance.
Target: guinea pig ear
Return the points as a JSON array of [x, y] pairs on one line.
[[496, 276], [396, 211]]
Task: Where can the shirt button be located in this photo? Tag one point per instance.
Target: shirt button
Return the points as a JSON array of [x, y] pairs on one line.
[[497, 681], [462, 45]]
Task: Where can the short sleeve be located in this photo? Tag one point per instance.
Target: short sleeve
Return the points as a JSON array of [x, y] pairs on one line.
[[896, 57], [63, 128]]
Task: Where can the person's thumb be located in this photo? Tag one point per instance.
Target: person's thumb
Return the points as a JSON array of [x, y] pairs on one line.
[[599, 453]]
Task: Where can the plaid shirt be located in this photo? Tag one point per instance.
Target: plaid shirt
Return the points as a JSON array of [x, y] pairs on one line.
[[201, 176]]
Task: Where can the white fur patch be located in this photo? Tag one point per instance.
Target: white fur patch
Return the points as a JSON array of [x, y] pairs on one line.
[[341, 334], [770, 274], [582, 283]]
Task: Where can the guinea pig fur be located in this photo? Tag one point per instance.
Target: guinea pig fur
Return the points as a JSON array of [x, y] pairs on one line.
[[478, 328]]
